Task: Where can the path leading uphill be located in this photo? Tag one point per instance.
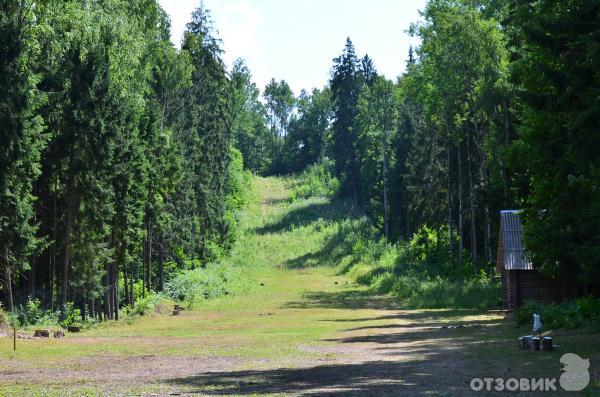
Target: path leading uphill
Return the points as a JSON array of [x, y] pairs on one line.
[[304, 331]]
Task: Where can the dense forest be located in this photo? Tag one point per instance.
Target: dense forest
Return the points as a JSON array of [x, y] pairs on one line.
[[125, 160]]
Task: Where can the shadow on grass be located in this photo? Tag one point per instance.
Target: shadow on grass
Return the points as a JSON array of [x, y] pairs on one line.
[[334, 210], [439, 325], [373, 378], [351, 299], [329, 255], [422, 314], [275, 201], [424, 363]]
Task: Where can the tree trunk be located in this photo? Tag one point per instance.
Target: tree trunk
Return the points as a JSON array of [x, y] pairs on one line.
[[149, 257], [122, 259], [32, 277], [107, 294], [472, 208], [385, 187], [460, 205], [92, 309], [161, 269], [54, 247], [67, 238], [116, 291], [131, 282], [144, 256], [8, 280], [450, 215]]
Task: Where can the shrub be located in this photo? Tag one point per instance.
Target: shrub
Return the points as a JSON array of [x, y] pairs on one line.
[[3, 320], [201, 283], [316, 181], [478, 293], [72, 316], [32, 313], [427, 253], [145, 305], [581, 313]]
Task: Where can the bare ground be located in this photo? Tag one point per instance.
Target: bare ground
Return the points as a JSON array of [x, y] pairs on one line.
[[386, 353]]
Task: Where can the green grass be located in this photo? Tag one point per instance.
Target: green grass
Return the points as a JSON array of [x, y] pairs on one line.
[[304, 329]]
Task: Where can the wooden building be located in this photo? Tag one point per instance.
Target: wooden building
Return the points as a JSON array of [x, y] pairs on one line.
[[520, 282]]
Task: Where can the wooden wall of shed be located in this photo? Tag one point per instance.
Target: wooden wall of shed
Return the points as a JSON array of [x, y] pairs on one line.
[[519, 286]]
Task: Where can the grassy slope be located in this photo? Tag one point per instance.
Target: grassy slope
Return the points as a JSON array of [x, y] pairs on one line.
[[305, 319]]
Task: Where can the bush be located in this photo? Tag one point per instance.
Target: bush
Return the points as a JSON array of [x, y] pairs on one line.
[[316, 181], [581, 313], [32, 313], [201, 283], [72, 316], [3, 320], [145, 305], [142, 304], [414, 291], [418, 271]]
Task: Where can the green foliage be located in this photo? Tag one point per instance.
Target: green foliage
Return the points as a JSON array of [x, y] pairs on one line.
[[279, 103], [581, 313], [556, 156], [211, 281], [477, 292], [316, 181], [418, 272], [308, 141], [250, 133], [32, 313], [239, 183], [345, 87], [144, 303], [72, 316]]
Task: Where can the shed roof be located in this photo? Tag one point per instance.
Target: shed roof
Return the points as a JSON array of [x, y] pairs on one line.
[[512, 234]]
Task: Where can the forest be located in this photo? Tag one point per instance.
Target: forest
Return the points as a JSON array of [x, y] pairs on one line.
[[127, 161]]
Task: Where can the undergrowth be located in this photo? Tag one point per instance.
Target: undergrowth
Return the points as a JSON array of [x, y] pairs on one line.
[[579, 313], [417, 271], [316, 181], [210, 281]]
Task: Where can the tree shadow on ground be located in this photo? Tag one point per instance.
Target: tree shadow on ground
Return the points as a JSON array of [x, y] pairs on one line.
[[373, 378], [335, 210], [275, 201], [351, 299], [410, 334], [442, 325], [424, 363], [329, 255], [420, 314]]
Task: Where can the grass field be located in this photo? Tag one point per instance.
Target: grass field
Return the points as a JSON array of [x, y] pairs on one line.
[[298, 330]]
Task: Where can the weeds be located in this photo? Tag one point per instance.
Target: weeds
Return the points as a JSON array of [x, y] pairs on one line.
[[579, 313], [316, 181]]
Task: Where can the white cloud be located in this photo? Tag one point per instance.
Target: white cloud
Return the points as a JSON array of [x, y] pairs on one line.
[[180, 12], [237, 24]]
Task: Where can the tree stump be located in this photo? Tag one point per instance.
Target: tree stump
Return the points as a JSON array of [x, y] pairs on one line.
[[59, 334], [42, 333], [73, 328], [547, 344]]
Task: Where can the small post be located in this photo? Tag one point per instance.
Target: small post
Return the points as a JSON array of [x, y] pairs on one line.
[[15, 338]]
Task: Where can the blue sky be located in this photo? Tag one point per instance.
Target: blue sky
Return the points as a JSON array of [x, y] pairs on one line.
[[296, 40]]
